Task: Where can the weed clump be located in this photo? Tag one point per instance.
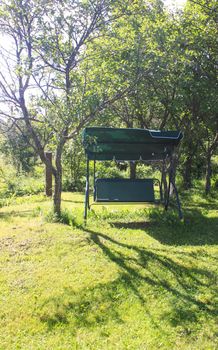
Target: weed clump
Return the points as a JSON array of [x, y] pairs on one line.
[[66, 217]]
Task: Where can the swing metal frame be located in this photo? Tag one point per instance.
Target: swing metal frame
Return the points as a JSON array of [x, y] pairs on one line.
[[99, 149]]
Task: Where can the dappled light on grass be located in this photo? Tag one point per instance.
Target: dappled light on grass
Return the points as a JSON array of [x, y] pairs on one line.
[[128, 279], [147, 257], [148, 278]]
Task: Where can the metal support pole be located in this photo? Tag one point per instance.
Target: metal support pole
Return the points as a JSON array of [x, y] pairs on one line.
[[159, 185], [94, 180], [178, 201], [175, 190], [94, 170], [87, 190], [168, 189], [161, 182]]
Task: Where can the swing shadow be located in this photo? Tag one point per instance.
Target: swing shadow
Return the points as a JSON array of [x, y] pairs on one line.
[[139, 266], [169, 272], [196, 230], [132, 225], [140, 271]]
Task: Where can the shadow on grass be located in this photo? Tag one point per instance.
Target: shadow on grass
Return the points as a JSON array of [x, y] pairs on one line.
[[202, 205], [134, 225], [196, 230], [72, 201], [142, 273], [11, 214], [85, 309]]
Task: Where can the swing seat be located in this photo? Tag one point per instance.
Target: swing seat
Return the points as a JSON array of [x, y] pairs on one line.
[[124, 190]]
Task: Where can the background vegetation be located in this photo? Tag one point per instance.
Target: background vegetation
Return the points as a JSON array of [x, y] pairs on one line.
[[132, 64]]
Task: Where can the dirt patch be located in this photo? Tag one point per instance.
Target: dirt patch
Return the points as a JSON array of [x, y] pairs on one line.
[[14, 247], [6, 242]]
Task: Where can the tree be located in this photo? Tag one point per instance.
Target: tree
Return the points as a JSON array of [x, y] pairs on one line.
[[200, 86], [48, 43]]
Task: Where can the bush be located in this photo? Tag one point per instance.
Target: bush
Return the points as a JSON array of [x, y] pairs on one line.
[[67, 217], [109, 170], [13, 184], [74, 186]]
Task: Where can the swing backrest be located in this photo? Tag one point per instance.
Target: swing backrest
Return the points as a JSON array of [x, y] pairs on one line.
[[124, 190]]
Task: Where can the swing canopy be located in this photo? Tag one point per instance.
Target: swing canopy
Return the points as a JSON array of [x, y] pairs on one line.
[[129, 144]]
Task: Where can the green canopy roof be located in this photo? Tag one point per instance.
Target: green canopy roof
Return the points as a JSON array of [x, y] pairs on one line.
[[129, 144]]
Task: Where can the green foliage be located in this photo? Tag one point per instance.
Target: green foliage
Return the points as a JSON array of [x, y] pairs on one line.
[[74, 166], [138, 65], [13, 185], [171, 61], [16, 148], [66, 217], [109, 170]]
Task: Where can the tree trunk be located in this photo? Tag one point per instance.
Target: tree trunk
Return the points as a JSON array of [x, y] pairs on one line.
[[187, 179], [132, 170], [48, 175], [164, 183], [58, 183], [57, 194], [173, 169], [208, 174]]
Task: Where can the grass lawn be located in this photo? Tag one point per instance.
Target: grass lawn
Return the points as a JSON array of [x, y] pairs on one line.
[[132, 278]]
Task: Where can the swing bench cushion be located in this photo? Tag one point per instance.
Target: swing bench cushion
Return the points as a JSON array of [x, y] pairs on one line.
[[124, 190]]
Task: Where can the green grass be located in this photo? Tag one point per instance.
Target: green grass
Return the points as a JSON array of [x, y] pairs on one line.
[[133, 278]]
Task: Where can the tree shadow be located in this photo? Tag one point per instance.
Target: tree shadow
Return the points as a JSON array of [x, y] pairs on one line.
[[143, 262], [134, 225], [140, 271], [196, 230], [72, 201], [207, 206], [11, 214], [87, 308]]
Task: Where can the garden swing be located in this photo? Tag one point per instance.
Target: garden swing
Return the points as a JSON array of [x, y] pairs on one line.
[[119, 144]]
